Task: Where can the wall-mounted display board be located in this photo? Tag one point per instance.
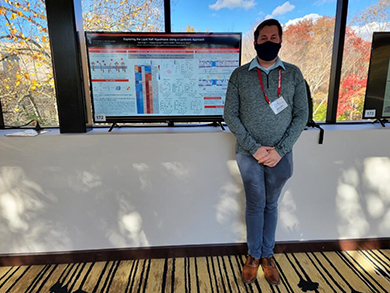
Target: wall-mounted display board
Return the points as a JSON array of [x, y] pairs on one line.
[[158, 77], [377, 100]]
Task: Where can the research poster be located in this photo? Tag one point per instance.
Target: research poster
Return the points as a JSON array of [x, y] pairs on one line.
[[386, 100], [135, 75]]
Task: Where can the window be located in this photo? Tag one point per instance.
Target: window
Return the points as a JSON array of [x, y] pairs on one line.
[[26, 75], [308, 43], [307, 40], [123, 15], [26, 78], [364, 18]]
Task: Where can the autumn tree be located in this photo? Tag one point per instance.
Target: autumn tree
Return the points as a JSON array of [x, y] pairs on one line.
[[356, 58], [375, 17], [351, 97], [248, 50], [27, 86], [353, 81], [191, 29], [308, 44], [123, 15], [26, 77]]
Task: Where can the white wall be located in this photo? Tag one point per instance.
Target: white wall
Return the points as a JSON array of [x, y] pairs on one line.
[[180, 186]]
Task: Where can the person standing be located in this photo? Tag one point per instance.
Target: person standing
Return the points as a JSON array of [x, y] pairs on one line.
[[266, 109]]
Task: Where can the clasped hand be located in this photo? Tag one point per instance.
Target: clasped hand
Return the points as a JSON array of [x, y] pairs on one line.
[[267, 156]]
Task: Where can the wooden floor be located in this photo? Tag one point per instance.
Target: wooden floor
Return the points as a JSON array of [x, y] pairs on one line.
[[348, 271]]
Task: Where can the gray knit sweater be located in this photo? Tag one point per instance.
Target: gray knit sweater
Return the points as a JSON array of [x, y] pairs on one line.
[[250, 118]]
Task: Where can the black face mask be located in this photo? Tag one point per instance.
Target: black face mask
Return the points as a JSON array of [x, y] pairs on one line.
[[267, 51]]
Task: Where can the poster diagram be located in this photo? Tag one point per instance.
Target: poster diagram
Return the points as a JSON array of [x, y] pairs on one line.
[[108, 66], [148, 76]]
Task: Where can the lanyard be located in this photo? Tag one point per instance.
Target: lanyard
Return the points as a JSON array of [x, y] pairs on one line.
[[262, 86]]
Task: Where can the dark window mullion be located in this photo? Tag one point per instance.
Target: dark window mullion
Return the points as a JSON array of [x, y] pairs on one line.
[[1, 118], [167, 16], [64, 21], [337, 60]]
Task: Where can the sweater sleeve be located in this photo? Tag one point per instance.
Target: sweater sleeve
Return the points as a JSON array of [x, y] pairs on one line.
[[299, 119], [232, 117]]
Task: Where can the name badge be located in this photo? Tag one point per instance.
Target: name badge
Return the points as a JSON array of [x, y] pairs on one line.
[[278, 105]]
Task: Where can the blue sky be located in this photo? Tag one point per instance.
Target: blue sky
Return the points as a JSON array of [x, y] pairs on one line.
[[242, 15]]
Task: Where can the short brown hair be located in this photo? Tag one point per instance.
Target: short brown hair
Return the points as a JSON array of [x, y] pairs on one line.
[[268, 22]]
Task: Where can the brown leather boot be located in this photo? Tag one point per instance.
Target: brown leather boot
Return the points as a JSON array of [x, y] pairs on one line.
[[249, 271], [271, 273]]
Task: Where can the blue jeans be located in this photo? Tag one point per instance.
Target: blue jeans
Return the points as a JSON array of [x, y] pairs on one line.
[[263, 186]]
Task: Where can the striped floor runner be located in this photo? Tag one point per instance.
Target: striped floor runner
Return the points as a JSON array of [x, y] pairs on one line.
[[348, 271]]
